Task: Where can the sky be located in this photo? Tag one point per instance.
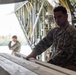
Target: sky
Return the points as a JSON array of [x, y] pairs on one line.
[[6, 8], [8, 21]]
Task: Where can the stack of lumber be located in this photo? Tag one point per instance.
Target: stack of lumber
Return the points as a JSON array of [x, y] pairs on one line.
[[13, 65]]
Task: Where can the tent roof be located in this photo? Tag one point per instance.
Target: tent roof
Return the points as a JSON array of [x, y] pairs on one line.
[[10, 1]]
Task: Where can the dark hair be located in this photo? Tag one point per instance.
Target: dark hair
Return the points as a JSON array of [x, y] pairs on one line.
[[60, 8], [14, 36]]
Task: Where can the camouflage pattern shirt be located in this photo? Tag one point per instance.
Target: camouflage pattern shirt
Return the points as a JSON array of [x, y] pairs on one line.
[[64, 42], [16, 47]]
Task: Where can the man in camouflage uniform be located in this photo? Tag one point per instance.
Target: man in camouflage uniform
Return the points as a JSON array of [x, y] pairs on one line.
[[63, 39], [14, 45]]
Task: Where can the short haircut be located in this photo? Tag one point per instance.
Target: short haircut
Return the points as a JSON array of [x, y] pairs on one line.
[[14, 36], [60, 8]]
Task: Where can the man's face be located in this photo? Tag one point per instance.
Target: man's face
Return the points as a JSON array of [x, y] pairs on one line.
[[14, 39], [60, 18]]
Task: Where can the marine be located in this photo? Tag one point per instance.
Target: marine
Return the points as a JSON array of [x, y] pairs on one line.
[[63, 39]]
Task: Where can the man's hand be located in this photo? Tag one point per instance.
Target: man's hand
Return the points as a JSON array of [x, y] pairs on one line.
[[29, 57]]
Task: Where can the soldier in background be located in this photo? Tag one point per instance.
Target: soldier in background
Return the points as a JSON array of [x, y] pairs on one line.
[[63, 39], [14, 45]]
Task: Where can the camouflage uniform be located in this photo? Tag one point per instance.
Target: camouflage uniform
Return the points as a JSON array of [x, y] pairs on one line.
[[64, 42], [15, 48]]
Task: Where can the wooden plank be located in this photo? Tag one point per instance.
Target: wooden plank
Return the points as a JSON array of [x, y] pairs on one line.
[[20, 55], [57, 68], [51, 66], [13, 68], [39, 69]]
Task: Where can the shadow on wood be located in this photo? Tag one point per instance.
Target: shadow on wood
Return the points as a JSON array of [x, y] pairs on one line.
[[3, 72]]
